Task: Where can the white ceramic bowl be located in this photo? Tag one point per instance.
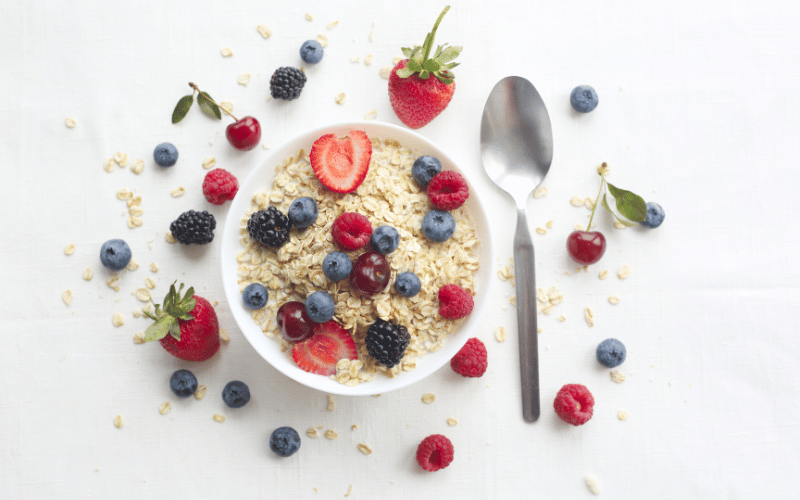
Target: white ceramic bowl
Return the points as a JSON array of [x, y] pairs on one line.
[[268, 348]]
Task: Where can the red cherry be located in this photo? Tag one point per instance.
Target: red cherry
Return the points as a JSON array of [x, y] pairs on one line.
[[244, 134], [586, 247], [371, 273], [294, 323]]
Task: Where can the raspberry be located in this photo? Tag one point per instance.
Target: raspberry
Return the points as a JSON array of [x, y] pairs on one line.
[[454, 302], [219, 186], [435, 452], [574, 404], [471, 360], [448, 190], [351, 231]]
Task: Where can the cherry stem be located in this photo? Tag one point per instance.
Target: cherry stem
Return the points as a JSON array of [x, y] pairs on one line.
[[596, 201], [212, 101]]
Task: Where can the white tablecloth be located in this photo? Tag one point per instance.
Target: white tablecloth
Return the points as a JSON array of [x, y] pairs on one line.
[[698, 111]]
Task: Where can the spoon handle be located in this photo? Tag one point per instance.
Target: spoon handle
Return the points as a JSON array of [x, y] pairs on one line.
[[525, 276]]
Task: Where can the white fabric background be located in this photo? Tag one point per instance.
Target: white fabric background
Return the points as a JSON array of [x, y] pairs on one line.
[[698, 111]]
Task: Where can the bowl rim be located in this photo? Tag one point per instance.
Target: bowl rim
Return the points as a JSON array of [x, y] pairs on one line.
[[254, 334]]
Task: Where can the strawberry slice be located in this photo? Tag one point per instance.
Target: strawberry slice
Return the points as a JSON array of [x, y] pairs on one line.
[[319, 354], [341, 164]]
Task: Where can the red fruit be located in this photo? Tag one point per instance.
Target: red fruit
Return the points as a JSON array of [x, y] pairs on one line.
[[574, 404], [244, 134], [220, 186], [341, 164], [586, 247], [435, 452], [294, 323], [320, 353], [448, 190], [351, 231], [370, 273], [454, 302], [187, 327], [471, 360], [421, 86]]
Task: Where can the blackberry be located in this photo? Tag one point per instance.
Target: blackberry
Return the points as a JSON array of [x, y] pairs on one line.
[[387, 342], [194, 227], [287, 83], [269, 227]]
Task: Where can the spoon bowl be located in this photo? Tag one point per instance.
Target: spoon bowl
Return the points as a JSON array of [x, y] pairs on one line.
[[517, 150]]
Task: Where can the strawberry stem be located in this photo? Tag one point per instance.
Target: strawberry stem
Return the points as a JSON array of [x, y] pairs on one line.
[[212, 101], [432, 35], [596, 201]]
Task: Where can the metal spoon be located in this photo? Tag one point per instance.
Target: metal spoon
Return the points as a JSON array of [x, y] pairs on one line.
[[517, 149]]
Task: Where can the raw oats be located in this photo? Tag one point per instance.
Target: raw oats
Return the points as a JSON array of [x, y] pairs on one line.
[[219, 418], [143, 294], [209, 162], [331, 434], [265, 31], [137, 166], [354, 427], [139, 338], [593, 484], [548, 309], [178, 192], [223, 335], [451, 421], [244, 79], [113, 282], [165, 407], [137, 313], [88, 273], [371, 114], [118, 421], [350, 490], [588, 314], [323, 40], [331, 403], [124, 194], [109, 165], [70, 122], [603, 274], [117, 319], [149, 283], [500, 334], [169, 238], [576, 201], [619, 225], [340, 97], [541, 230], [614, 299], [309, 17], [562, 318], [624, 272], [226, 52], [355, 59], [312, 432], [366, 450], [121, 159], [513, 300], [617, 376], [622, 415], [69, 249], [67, 296], [540, 191], [579, 227], [385, 72], [368, 59], [588, 203], [227, 106], [333, 24], [134, 222], [549, 224], [132, 265], [428, 398], [371, 36], [200, 393], [134, 201]]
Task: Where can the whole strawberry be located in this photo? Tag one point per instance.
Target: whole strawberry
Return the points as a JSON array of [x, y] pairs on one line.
[[416, 97], [186, 327]]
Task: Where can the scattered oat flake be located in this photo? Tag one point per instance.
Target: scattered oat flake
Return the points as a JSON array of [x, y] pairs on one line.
[[366, 450], [603, 274], [355, 59], [331, 434], [580, 227], [549, 224], [371, 114], [562, 318], [134, 222], [113, 282], [132, 265], [200, 393], [223, 335], [541, 230], [548, 309], [143, 294], [139, 338], [622, 415], [385, 72], [88, 273], [312, 432], [624, 272], [169, 238], [331, 403], [500, 334], [593, 484], [244, 79], [227, 52], [513, 300], [227, 106], [340, 97], [350, 490], [165, 407], [619, 225], [588, 203], [219, 418], [368, 59], [69, 249], [451, 421], [178, 191], [309, 17], [371, 36], [540, 191], [117, 319], [428, 398], [614, 299], [118, 421], [322, 39], [354, 427], [396, 60], [576, 201], [265, 31], [617, 376], [109, 165], [333, 24], [209, 162], [70, 122], [67, 296], [137, 167], [539, 330], [121, 159], [153, 267], [588, 314]]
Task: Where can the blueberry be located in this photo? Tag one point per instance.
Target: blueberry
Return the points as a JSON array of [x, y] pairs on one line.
[[385, 239], [284, 441], [303, 212], [337, 266], [311, 52], [438, 226], [611, 353], [115, 254], [255, 296], [655, 215], [183, 383], [407, 284], [424, 168], [165, 154], [236, 394], [583, 98], [320, 307]]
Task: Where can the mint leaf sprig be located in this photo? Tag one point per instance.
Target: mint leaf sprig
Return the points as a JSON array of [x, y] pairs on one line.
[[205, 101], [630, 206]]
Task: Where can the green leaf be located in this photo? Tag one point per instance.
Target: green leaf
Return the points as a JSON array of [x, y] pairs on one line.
[[182, 108], [449, 54], [450, 65], [618, 218], [418, 57], [208, 107], [431, 65], [414, 66], [424, 74], [175, 329], [438, 51], [406, 51], [160, 328], [630, 205], [404, 72], [443, 79]]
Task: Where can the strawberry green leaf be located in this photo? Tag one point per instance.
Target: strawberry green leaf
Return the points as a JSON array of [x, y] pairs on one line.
[[438, 51], [618, 218], [404, 72], [450, 65], [414, 66], [160, 328], [208, 107], [431, 65], [182, 108], [449, 54], [443, 79], [406, 51], [424, 74], [630, 205], [175, 329]]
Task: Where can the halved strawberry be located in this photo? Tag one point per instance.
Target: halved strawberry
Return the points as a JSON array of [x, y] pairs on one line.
[[319, 354], [341, 164]]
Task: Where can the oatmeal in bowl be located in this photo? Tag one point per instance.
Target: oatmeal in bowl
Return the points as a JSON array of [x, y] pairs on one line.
[[415, 263]]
